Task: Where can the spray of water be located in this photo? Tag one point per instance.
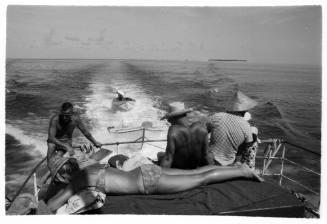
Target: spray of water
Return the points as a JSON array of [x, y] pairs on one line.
[[102, 114], [38, 141]]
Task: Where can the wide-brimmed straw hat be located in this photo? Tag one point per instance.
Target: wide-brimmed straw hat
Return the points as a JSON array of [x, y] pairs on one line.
[[176, 109], [241, 102], [56, 162]]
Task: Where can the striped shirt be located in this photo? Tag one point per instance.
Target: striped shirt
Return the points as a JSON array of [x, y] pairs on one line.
[[228, 132]]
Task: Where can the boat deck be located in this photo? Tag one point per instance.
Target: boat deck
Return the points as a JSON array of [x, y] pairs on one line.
[[238, 197]]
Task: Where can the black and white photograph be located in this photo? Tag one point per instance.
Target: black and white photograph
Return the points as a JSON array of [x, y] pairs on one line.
[[173, 110]]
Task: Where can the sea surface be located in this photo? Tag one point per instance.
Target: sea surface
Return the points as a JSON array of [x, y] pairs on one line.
[[289, 99]]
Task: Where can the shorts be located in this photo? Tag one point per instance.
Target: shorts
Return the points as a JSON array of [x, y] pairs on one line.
[[61, 149], [248, 155], [101, 182], [150, 174]]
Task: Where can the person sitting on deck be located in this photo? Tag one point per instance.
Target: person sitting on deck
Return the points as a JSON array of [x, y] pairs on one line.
[[61, 129], [232, 138], [187, 144], [147, 179], [121, 96]]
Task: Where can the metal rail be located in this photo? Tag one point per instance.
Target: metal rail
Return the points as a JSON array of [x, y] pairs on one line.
[[134, 142], [141, 140], [27, 179], [302, 185], [303, 148], [273, 147], [303, 167]]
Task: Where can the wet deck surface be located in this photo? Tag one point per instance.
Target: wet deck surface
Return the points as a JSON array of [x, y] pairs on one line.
[[239, 197]]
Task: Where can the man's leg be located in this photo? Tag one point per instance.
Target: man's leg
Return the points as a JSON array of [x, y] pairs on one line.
[[173, 171], [178, 183], [160, 156], [51, 150]]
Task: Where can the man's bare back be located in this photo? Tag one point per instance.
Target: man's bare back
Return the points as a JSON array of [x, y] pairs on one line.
[[189, 145]]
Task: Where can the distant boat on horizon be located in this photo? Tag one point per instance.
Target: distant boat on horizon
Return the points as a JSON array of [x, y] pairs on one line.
[[239, 60]]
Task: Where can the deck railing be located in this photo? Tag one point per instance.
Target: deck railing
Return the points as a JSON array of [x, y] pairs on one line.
[[270, 152], [273, 146]]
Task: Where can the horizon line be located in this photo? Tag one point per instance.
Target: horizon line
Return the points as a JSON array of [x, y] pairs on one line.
[[210, 60]]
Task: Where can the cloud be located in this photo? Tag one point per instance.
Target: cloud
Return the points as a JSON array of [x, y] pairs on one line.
[[49, 38], [72, 38], [100, 38], [55, 43]]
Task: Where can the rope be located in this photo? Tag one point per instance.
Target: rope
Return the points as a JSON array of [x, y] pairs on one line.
[[27, 179], [303, 148]]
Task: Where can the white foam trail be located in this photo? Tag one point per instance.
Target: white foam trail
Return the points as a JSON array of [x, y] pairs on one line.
[[99, 110], [39, 142]]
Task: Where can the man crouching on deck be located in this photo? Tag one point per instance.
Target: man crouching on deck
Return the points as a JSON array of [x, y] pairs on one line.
[[61, 129], [187, 144]]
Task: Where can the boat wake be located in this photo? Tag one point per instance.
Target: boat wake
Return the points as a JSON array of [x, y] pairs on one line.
[[37, 144], [267, 111], [101, 114]]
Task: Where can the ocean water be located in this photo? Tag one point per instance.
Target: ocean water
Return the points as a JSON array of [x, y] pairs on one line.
[[289, 99]]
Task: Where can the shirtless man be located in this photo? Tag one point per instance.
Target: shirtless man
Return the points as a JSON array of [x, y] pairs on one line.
[[187, 145], [61, 129]]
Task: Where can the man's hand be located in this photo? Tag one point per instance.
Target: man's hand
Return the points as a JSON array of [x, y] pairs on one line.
[[237, 163], [97, 144], [70, 151], [254, 130]]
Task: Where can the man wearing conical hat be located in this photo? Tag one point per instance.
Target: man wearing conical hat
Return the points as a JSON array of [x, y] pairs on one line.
[[231, 134], [187, 144]]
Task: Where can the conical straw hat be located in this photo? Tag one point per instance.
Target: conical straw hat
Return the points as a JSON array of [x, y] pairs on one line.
[[241, 102]]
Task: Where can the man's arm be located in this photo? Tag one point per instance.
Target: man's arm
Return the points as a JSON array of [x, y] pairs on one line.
[[60, 198], [86, 133], [128, 99], [206, 155], [52, 138], [167, 160]]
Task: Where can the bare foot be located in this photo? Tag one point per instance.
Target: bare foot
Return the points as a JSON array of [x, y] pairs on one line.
[[249, 173], [238, 164]]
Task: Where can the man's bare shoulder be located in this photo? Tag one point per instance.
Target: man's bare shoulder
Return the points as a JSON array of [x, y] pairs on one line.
[[54, 118], [175, 130], [179, 128], [76, 118], [198, 126]]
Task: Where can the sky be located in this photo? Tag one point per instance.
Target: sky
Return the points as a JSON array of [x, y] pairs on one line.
[[257, 34]]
